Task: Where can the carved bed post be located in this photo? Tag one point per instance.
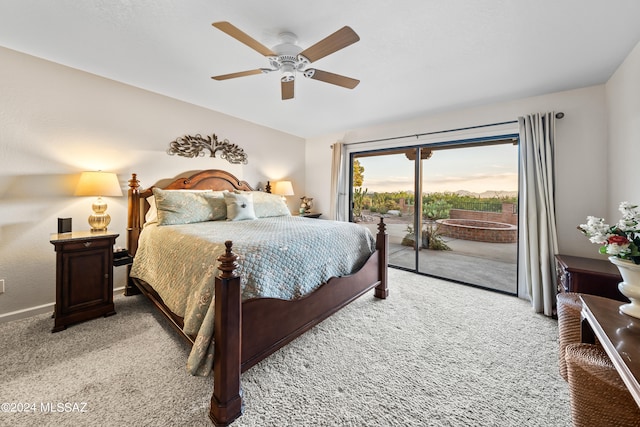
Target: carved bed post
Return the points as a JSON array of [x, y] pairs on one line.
[[226, 401], [382, 245], [133, 229]]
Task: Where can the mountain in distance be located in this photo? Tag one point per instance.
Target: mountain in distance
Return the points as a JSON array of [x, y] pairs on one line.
[[488, 194], [466, 193]]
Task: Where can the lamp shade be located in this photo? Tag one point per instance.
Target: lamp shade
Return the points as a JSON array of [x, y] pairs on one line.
[[98, 184], [283, 188]]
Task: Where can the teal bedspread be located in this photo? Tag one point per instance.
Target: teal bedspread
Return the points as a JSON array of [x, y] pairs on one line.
[[282, 257]]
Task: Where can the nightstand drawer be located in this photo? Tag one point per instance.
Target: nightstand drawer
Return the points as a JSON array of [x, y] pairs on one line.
[[86, 244]]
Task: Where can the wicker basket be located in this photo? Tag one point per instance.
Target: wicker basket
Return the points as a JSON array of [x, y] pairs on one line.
[[599, 397], [569, 307]]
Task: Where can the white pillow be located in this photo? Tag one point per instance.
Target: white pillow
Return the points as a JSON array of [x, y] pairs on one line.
[[152, 213], [266, 204], [239, 206]]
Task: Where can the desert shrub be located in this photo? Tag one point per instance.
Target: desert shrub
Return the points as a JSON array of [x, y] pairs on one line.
[[437, 209]]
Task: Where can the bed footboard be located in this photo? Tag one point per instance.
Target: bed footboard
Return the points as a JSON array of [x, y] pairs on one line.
[[226, 401], [247, 332], [382, 246]]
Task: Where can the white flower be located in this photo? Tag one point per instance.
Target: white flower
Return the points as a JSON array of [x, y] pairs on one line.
[[628, 225], [617, 249], [627, 209], [630, 222], [626, 230], [596, 230]]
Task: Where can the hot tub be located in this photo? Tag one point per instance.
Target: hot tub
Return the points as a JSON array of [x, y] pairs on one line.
[[478, 230]]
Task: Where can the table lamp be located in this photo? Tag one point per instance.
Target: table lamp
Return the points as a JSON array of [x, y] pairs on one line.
[[283, 188], [99, 184]]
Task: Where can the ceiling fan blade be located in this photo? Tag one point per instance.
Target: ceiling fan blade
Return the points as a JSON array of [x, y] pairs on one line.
[[239, 74], [287, 89], [243, 37], [330, 44], [334, 79]]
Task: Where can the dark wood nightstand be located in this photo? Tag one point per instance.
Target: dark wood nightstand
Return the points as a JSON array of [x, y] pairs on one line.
[[310, 214], [84, 276], [588, 276]]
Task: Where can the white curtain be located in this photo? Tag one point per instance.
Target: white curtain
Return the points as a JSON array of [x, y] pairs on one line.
[[538, 236], [337, 182]]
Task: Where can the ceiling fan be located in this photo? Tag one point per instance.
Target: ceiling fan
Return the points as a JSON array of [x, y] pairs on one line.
[[290, 59]]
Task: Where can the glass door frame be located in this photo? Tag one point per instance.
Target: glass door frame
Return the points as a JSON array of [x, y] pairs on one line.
[[500, 138]]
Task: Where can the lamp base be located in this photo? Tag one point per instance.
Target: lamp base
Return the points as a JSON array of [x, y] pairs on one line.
[[99, 220]]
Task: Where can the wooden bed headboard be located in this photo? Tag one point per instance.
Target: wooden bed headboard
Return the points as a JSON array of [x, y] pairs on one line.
[[211, 179]]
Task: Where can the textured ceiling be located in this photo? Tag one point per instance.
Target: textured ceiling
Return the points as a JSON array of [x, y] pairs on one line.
[[414, 57]]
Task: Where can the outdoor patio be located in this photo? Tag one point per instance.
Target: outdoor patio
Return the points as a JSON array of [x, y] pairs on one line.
[[488, 265]]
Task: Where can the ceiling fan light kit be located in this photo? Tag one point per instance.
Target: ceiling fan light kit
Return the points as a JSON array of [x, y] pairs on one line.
[[289, 59]]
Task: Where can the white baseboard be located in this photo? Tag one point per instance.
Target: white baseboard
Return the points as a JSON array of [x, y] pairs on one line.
[[40, 309], [27, 312]]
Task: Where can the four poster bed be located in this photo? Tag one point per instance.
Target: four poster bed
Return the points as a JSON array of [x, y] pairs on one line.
[[240, 311]]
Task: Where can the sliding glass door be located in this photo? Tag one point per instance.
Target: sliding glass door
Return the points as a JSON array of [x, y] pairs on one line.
[[463, 224], [384, 185]]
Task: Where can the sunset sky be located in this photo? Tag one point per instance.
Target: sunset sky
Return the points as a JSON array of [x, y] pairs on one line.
[[475, 169]]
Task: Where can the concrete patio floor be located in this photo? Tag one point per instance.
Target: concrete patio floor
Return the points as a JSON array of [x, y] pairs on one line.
[[488, 265]]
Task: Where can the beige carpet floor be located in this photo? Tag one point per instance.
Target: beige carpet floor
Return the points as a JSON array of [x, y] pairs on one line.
[[433, 354]]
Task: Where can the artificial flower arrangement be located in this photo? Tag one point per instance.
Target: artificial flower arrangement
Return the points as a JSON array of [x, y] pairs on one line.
[[621, 240]]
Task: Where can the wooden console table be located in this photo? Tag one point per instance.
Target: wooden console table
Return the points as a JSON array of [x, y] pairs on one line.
[[619, 335]]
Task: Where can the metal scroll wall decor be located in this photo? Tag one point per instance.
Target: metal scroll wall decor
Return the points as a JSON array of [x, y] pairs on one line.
[[195, 146]]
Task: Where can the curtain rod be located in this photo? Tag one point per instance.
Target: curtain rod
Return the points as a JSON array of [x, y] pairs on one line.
[[417, 135]]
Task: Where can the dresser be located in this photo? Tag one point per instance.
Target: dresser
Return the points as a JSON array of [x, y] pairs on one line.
[[84, 276], [618, 334], [588, 276]]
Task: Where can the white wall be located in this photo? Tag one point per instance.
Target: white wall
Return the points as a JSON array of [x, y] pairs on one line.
[[623, 105], [581, 152], [56, 122]]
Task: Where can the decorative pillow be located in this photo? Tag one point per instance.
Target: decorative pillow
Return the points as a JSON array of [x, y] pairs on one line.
[[152, 213], [188, 206], [266, 204], [239, 206], [217, 205]]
